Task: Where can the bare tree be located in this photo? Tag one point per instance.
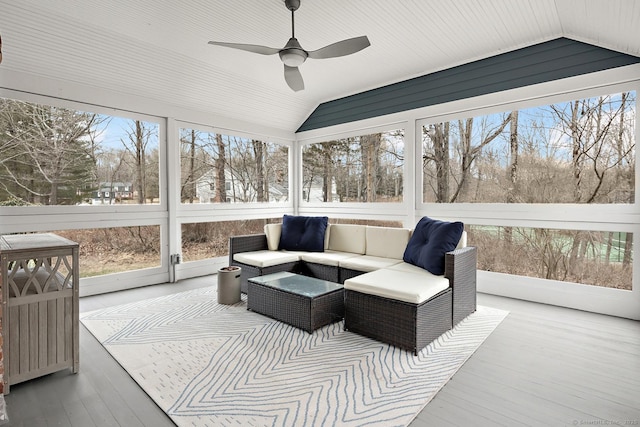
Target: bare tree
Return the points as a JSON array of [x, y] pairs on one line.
[[138, 137], [221, 193], [258, 155], [438, 138], [188, 189], [513, 158], [370, 147], [512, 168], [470, 152]]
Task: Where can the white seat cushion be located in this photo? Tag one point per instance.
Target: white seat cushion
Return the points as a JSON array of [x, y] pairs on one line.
[[409, 268], [368, 263], [266, 258], [331, 258], [398, 285]]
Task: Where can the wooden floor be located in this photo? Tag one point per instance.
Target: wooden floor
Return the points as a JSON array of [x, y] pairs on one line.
[[543, 366]]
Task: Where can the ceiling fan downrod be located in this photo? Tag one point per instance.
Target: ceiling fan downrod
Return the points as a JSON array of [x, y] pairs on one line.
[[292, 5]]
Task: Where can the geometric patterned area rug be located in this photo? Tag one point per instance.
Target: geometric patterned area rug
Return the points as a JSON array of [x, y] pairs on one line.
[[207, 364]]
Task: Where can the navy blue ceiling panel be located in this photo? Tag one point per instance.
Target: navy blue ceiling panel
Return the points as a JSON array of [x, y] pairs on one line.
[[551, 60]]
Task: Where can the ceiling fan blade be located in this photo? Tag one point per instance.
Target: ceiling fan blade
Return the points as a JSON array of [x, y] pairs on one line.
[[293, 78], [342, 48], [263, 50]]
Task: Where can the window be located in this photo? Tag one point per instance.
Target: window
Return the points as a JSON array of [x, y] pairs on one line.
[[59, 156], [202, 240], [367, 168], [581, 151], [588, 257], [231, 169], [116, 249]]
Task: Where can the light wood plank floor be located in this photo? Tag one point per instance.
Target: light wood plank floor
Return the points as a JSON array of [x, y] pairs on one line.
[[543, 366]]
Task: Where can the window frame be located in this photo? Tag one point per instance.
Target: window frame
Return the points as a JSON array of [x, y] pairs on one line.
[[361, 210]]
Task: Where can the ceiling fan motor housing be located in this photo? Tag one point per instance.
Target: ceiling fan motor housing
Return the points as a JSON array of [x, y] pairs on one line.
[[292, 5], [292, 54]]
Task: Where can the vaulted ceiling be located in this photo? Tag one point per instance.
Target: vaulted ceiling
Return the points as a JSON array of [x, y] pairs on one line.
[[158, 50]]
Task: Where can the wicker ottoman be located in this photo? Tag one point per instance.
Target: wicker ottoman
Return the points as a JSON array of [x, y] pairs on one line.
[[404, 325], [399, 307], [304, 302]]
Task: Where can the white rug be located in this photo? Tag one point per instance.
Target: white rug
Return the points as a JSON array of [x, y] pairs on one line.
[[207, 364]]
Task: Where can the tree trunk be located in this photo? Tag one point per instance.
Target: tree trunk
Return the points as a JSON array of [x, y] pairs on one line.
[[221, 193], [577, 153], [441, 153], [326, 175], [628, 246], [512, 169], [192, 160], [465, 129], [370, 146], [607, 258], [258, 151], [368, 150], [620, 149], [140, 159]]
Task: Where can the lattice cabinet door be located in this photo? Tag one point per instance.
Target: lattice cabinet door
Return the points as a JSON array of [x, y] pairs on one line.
[[39, 276]]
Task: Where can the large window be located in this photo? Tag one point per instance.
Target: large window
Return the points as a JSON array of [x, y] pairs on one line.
[[60, 156], [217, 168], [582, 151], [367, 168], [588, 257], [115, 249], [203, 240]]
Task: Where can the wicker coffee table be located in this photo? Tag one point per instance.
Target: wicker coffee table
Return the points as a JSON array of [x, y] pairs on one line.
[[301, 301]]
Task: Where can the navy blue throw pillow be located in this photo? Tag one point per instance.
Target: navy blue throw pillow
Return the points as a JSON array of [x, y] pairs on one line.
[[303, 233], [430, 240]]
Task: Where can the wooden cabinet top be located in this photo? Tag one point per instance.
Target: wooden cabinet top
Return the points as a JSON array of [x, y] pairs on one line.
[[21, 242]]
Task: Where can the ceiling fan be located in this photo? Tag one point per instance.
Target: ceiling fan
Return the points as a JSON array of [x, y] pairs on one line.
[[293, 55]]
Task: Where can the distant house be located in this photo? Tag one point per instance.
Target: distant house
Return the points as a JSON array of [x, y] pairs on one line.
[[314, 192], [109, 193], [235, 189]]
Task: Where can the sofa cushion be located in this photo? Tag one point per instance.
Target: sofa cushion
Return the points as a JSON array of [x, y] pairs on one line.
[[266, 258], [430, 240], [348, 238], [303, 233], [367, 262], [462, 243], [408, 268], [273, 231], [331, 258], [398, 285], [326, 237], [387, 242]]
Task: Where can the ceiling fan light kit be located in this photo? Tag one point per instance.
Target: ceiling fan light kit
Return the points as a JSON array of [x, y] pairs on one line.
[[293, 55]]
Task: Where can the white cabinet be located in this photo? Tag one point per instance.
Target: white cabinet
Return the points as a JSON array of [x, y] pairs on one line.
[[39, 276]]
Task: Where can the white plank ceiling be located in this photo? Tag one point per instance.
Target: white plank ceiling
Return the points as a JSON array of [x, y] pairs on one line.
[[158, 50]]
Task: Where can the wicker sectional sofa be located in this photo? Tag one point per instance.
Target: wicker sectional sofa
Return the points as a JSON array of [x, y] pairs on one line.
[[385, 298]]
